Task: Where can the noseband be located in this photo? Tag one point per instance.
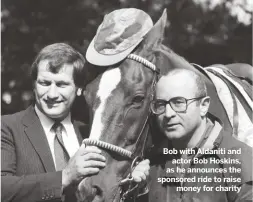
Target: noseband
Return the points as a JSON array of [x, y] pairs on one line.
[[123, 152]]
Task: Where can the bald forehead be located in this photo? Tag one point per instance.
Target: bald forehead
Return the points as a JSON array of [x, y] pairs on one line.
[[185, 76], [181, 83]]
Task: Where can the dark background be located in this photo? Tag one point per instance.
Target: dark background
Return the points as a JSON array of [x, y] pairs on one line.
[[199, 33]]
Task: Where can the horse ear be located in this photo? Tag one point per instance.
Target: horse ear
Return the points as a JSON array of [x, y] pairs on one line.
[[155, 35]]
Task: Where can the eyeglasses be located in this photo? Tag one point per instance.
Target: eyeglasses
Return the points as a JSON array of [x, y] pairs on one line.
[[178, 104]]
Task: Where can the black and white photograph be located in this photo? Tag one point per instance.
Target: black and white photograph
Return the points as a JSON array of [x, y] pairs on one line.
[[126, 101]]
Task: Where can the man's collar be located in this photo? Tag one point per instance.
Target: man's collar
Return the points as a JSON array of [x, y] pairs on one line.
[[205, 135], [47, 122], [213, 137]]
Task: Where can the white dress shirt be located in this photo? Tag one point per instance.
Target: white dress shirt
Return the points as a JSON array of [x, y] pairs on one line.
[[68, 133]]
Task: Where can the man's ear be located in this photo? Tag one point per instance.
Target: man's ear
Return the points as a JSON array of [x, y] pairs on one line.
[[204, 105], [79, 91]]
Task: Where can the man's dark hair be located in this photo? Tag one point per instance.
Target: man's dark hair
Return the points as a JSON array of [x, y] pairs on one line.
[[59, 54]]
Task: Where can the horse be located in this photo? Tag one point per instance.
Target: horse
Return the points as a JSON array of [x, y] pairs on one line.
[[119, 107]]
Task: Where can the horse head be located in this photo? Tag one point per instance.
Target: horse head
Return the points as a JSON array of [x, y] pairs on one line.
[[119, 102]]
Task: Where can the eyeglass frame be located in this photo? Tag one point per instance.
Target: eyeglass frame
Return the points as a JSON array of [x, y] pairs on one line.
[[166, 102]]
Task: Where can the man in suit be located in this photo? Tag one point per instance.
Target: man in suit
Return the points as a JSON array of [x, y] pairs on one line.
[[41, 155]]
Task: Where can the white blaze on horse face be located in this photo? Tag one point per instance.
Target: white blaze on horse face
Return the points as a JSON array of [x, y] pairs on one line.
[[108, 82]]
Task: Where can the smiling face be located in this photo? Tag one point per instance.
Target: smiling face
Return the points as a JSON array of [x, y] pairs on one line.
[[178, 125], [55, 92]]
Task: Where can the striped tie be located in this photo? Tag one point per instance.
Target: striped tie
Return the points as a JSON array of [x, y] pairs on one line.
[[60, 152]]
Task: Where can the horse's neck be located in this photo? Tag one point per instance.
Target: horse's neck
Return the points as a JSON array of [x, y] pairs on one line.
[[169, 60]]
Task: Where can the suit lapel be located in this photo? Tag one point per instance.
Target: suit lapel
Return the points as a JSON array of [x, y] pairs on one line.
[[36, 135]]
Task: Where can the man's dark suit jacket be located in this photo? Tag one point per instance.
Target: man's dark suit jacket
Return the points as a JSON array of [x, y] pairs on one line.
[[28, 173]]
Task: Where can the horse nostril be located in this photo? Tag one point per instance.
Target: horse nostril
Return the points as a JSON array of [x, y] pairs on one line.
[[97, 191], [98, 194]]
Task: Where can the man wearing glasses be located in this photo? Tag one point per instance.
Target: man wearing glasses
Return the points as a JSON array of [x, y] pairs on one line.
[[192, 162]]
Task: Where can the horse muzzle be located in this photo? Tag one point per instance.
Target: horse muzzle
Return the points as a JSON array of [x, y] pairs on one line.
[[86, 192], [93, 189]]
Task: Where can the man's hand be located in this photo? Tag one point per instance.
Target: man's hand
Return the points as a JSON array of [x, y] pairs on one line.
[[141, 171], [87, 161]]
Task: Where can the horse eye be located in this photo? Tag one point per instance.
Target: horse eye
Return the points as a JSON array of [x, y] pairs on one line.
[[138, 99]]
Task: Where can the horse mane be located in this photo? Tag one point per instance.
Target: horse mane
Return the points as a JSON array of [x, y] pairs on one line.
[[170, 60], [170, 51]]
